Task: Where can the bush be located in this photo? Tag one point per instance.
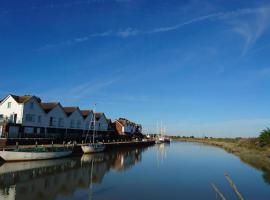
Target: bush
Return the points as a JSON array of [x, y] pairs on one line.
[[265, 137]]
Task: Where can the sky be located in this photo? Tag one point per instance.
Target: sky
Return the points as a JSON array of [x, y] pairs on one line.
[[201, 68]]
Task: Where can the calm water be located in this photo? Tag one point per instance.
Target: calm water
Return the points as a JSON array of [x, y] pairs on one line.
[[176, 171]]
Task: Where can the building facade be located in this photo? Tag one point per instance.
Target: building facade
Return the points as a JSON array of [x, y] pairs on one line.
[[126, 127], [28, 116]]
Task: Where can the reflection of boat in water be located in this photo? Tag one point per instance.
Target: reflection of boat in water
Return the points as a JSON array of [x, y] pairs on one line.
[[47, 179], [37, 153], [89, 157], [10, 167], [162, 152]]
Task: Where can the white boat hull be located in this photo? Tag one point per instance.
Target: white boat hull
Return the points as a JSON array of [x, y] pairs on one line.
[[93, 148], [20, 156]]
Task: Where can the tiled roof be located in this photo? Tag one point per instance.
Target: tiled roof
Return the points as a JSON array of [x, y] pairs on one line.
[[47, 107], [70, 110], [123, 122], [98, 115], [21, 99], [85, 113]]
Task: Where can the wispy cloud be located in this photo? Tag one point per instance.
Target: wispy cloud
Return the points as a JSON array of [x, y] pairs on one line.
[[251, 30], [79, 92], [75, 40], [244, 30]]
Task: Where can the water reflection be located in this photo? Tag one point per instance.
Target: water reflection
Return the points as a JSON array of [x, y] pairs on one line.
[[48, 179], [161, 153]]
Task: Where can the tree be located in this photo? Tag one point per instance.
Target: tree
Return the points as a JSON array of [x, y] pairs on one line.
[[265, 137]]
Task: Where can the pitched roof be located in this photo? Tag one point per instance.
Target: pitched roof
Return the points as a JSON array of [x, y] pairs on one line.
[[98, 115], [124, 121], [85, 113], [47, 107], [21, 99], [70, 110]]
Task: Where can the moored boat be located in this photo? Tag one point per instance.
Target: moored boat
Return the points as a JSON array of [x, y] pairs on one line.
[[93, 148], [34, 154]]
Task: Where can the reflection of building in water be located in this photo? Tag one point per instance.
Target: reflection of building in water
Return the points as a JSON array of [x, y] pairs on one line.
[[48, 179], [126, 160]]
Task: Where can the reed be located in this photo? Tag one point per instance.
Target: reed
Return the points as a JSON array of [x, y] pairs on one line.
[[240, 197], [218, 192]]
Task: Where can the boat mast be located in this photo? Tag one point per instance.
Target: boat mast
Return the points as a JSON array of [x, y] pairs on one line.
[[94, 122]]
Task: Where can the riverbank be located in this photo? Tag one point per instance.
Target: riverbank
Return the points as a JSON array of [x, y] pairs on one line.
[[247, 149]]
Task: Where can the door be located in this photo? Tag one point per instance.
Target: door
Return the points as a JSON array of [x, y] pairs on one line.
[[15, 118]]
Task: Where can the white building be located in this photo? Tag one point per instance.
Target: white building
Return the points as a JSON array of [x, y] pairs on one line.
[[88, 116], [101, 121], [55, 116], [26, 115]]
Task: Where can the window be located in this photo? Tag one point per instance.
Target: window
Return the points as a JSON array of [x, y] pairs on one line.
[[31, 105], [30, 118], [53, 121], [9, 105]]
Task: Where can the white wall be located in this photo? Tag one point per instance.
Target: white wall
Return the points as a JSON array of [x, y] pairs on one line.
[[87, 121], [33, 108], [102, 124], [75, 117], [14, 109], [56, 113]]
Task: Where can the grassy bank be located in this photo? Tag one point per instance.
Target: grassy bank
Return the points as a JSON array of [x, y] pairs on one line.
[[248, 150]]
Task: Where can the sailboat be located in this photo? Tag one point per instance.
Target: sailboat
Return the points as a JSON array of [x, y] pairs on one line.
[[161, 137], [93, 147], [37, 153]]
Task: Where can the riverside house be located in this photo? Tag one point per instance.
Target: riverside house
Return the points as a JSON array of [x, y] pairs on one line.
[[126, 127], [27, 116]]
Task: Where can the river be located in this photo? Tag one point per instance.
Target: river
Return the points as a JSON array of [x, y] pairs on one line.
[[181, 170]]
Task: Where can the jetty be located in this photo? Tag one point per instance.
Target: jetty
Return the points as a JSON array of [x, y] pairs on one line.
[[110, 145]]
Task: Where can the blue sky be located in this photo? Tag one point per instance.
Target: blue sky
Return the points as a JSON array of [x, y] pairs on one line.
[[201, 67]]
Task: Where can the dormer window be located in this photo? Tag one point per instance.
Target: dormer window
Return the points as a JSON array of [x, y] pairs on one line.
[[9, 105]]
